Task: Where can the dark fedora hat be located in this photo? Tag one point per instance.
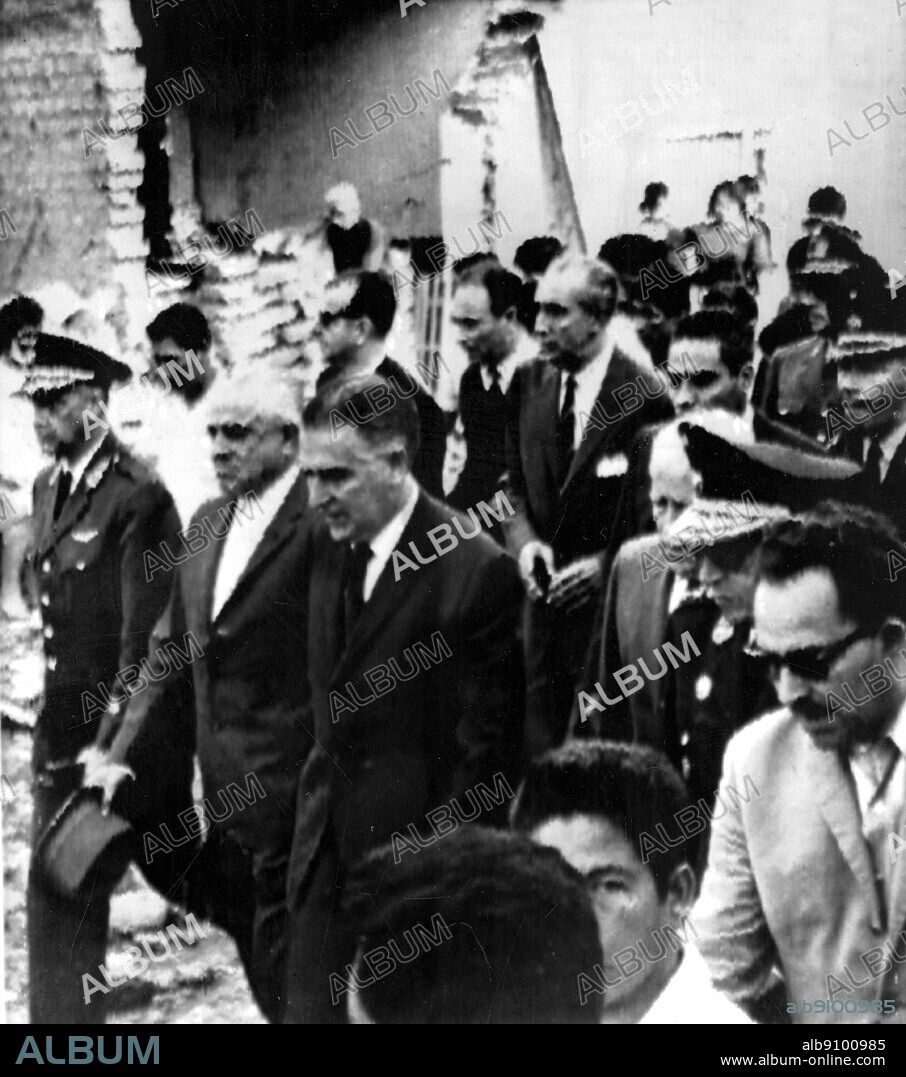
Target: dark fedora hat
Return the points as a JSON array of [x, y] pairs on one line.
[[82, 837]]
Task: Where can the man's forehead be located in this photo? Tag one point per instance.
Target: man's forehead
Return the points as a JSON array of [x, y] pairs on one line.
[[803, 611], [704, 354], [562, 286], [586, 842], [471, 299], [340, 295], [342, 447]]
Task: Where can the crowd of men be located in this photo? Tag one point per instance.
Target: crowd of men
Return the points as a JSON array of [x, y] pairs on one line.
[[608, 727]]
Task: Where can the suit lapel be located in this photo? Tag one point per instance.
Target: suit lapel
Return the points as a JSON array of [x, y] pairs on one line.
[[619, 372], [80, 498], [894, 477], [390, 593], [543, 414], [199, 574], [279, 531], [840, 808]]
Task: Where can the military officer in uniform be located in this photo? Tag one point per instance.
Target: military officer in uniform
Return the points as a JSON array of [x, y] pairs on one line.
[[96, 510]]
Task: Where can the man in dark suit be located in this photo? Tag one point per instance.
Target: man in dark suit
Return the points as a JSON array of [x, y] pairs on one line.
[[574, 413], [241, 597], [96, 510], [352, 331], [486, 301], [870, 427], [416, 674]]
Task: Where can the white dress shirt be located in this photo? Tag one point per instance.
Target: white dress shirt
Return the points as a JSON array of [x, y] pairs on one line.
[[879, 774], [525, 349], [691, 999], [244, 535], [384, 542], [588, 384]]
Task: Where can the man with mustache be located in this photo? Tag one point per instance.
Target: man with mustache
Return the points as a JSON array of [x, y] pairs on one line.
[[802, 895]]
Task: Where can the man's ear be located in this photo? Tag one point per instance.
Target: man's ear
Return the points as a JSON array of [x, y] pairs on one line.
[[893, 634], [681, 890], [746, 375]]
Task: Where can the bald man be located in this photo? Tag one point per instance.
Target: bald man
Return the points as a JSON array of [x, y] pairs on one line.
[[637, 602]]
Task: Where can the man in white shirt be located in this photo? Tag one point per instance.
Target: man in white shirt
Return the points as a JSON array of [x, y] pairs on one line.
[[487, 300], [571, 418], [414, 666], [871, 375], [240, 592], [600, 804]]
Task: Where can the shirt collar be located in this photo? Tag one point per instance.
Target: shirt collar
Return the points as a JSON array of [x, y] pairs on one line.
[[78, 469], [274, 496], [525, 349], [384, 542], [891, 442]]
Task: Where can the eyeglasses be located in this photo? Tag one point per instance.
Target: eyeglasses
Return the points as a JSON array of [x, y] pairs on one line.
[[328, 317], [810, 663], [231, 431]]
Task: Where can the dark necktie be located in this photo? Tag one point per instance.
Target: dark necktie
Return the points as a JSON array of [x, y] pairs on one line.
[[566, 427], [64, 488], [354, 584], [871, 469], [495, 393]]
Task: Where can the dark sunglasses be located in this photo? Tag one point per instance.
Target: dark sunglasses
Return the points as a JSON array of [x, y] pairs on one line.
[[327, 317], [231, 431], [702, 379], [810, 663]]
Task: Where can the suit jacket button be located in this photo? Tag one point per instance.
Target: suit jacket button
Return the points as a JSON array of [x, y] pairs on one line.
[[80, 565], [48, 631], [45, 600], [45, 566], [51, 663]]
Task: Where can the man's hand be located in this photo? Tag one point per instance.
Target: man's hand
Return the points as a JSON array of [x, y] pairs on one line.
[[527, 557], [101, 773], [577, 583]]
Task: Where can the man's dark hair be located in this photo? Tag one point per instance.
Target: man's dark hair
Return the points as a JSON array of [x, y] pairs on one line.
[[720, 325], [373, 299], [654, 192], [536, 254], [503, 287], [738, 301], [728, 188], [630, 785], [346, 402], [16, 315], [471, 261], [854, 544], [747, 185], [827, 202], [521, 922], [838, 291], [183, 323]]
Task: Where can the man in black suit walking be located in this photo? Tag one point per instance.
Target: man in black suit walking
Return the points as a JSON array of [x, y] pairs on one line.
[[239, 592], [415, 669], [352, 331], [96, 510], [574, 412], [486, 300], [870, 426]]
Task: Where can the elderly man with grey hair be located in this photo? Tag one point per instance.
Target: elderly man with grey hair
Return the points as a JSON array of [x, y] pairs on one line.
[[573, 413], [241, 703]]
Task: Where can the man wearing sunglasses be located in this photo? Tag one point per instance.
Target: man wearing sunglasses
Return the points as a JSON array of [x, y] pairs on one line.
[[801, 892], [352, 332]]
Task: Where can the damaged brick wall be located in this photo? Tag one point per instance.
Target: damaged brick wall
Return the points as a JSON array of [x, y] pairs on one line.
[[65, 65]]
